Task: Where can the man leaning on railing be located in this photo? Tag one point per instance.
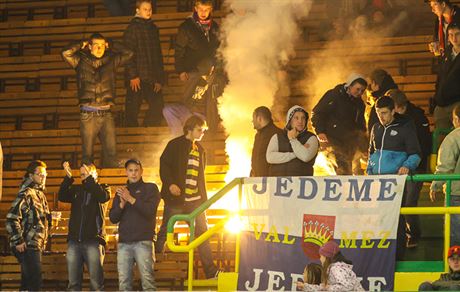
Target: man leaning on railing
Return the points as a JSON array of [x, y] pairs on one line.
[[449, 162]]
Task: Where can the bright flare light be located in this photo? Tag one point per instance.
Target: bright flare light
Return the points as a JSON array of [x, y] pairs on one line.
[[234, 225], [323, 166]]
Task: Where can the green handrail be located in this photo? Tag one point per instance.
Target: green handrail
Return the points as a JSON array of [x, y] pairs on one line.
[[195, 242], [190, 218]]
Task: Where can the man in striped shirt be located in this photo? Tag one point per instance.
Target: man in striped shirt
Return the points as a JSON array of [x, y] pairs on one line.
[[182, 167]]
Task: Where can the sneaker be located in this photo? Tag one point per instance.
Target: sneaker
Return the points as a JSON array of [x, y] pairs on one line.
[[217, 274], [411, 243]]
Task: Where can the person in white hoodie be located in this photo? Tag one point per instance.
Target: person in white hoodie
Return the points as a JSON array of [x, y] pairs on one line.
[[337, 274]]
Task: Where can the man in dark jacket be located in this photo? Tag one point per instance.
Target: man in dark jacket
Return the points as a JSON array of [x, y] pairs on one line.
[[144, 72], [338, 116], [96, 75], [86, 238], [28, 223], [135, 209], [379, 83], [182, 166], [196, 46], [446, 13], [448, 86], [263, 123], [393, 149], [412, 192]]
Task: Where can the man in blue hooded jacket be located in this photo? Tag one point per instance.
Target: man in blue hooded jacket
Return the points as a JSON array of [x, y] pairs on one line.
[[393, 149]]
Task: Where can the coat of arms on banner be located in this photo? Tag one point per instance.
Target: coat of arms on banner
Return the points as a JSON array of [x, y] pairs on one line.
[[316, 230]]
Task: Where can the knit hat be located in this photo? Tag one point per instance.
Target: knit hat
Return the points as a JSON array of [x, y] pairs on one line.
[[292, 111], [453, 251], [329, 249], [352, 77], [378, 75]]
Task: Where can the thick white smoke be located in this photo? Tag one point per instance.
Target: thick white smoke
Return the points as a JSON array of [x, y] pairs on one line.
[[258, 40]]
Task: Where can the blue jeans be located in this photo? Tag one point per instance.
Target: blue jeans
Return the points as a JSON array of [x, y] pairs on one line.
[[91, 254], [455, 222], [31, 270], [142, 252], [94, 125]]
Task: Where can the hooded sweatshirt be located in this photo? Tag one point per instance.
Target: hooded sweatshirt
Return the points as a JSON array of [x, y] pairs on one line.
[[393, 146], [29, 218], [292, 157], [340, 278]]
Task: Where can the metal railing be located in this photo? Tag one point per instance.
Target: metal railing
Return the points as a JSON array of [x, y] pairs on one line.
[[195, 242]]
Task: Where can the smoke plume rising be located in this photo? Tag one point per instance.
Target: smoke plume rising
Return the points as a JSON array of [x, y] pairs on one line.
[[258, 40]]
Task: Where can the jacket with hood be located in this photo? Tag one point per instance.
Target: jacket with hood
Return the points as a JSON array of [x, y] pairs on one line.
[[137, 222], [339, 116], [386, 84], [292, 157], [340, 278], [142, 37], [29, 218], [393, 146], [173, 170], [449, 160], [87, 212], [259, 164], [96, 77], [193, 46]]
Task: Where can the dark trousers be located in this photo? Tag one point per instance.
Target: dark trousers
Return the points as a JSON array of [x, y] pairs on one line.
[[134, 101], [201, 227], [412, 193], [31, 269]]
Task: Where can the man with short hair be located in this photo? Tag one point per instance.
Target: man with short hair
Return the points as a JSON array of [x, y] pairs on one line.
[[263, 124], [449, 162], [144, 72], [446, 13], [86, 238], [96, 66], [448, 86], [339, 115], [182, 166], [380, 81], [404, 107], [134, 208], [393, 149], [196, 46]]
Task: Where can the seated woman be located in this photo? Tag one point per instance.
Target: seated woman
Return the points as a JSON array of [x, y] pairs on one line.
[[447, 281], [293, 152]]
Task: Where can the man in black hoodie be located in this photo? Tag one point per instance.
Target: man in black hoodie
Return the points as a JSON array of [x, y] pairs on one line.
[[135, 209], [96, 68], [182, 167], [263, 123], [196, 46], [144, 72], [338, 120], [86, 238], [413, 189]]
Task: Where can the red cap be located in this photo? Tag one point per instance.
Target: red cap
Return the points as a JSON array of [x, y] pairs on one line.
[[453, 250]]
